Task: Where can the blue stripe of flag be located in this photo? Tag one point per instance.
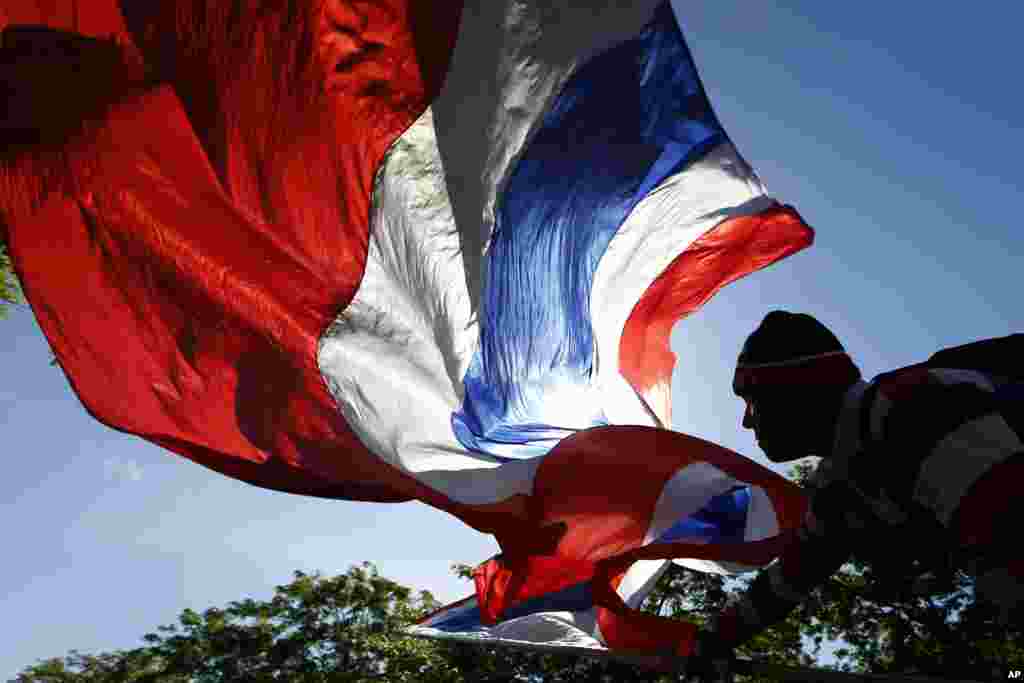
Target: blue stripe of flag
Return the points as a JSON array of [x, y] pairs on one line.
[[722, 520], [625, 121]]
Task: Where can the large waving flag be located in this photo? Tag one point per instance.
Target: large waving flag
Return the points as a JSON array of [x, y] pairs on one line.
[[622, 501], [403, 250]]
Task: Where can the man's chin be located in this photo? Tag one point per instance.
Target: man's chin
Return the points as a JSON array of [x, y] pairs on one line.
[[779, 452]]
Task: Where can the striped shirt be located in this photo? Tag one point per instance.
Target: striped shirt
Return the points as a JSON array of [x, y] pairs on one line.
[[908, 447]]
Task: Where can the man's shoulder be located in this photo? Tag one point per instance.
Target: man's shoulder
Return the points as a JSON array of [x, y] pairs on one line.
[[922, 390], [903, 382], [823, 474], [984, 364]]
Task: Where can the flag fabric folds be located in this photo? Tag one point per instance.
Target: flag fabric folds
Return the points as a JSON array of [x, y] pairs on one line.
[[683, 498], [404, 250]]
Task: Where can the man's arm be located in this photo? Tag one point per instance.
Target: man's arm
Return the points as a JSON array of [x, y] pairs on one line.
[[818, 550]]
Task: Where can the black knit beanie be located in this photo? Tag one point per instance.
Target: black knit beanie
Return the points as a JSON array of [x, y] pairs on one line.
[[793, 349]]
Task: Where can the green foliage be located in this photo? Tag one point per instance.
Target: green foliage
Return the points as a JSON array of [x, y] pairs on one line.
[[693, 596], [349, 628], [890, 623], [313, 630], [10, 291], [905, 616]]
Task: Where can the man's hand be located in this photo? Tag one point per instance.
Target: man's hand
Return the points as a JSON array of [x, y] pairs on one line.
[[711, 662]]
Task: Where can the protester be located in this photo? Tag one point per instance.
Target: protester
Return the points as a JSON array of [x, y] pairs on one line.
[[922, 464]]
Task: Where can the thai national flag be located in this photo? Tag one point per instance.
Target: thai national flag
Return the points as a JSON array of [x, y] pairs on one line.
[[402, 250], [619, 503]]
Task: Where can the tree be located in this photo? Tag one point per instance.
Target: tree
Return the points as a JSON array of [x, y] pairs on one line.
[[889, 623], [313, 629], [10, 291], [886, 622], [349, 628]]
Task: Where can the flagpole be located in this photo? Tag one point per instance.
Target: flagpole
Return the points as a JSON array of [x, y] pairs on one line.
[[747, 667]]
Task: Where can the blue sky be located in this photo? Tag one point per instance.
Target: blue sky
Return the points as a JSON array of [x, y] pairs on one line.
[[896, 135]]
